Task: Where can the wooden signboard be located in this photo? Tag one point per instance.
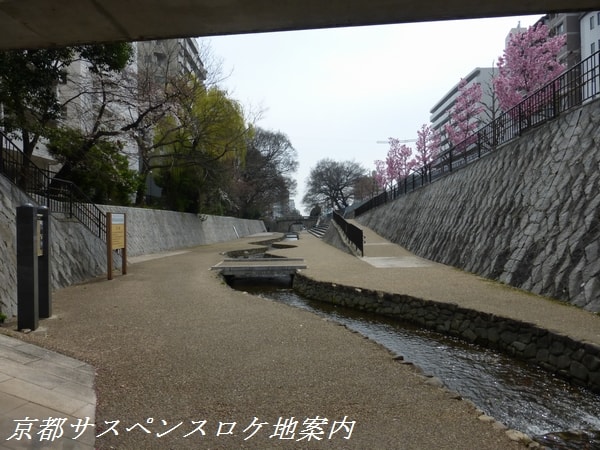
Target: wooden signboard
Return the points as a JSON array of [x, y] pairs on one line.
[[116, 239]]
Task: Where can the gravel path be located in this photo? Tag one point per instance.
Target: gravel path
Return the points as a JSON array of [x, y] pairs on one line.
[[173, 344]]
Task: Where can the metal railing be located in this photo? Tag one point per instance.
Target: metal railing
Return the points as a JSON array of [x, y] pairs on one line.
[[61, 196], [352, 232], [571, 89]]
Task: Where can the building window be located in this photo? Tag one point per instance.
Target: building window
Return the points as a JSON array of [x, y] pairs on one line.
[[560, 29], [593, 48], [591, 22], [160, 58]]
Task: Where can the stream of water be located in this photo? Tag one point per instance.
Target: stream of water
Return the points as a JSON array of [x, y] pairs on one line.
[[550, 410]]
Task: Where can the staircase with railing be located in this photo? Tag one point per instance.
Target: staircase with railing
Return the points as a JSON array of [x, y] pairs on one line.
[[60, 196]]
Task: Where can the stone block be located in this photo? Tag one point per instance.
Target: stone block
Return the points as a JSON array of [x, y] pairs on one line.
[[592, 362], [508, 337], [557, 347], [469, 335], [519, 346], [563, 362], [493, 335], [530, 352], [594, 381], [578, 354], [578, 371]]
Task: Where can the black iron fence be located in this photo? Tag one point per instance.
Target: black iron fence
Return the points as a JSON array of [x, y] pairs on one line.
[[573, 88], [352, 232], [58, 195]]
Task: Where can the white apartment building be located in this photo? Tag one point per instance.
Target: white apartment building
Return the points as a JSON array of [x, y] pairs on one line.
[[163, 58], [568, 25], [440, 113], [169, 57], [84, 96], [589, 26], [590, 45], [78, 91]]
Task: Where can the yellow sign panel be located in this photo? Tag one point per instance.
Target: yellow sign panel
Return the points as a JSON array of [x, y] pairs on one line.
[[117, 231], [116, 237]]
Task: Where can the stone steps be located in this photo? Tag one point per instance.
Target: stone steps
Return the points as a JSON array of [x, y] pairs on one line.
[[318, 231]]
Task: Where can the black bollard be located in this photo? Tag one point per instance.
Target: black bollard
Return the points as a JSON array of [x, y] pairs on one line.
[[44, 258], [27, 268]]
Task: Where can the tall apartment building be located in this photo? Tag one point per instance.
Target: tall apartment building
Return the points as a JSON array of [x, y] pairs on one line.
[[590, 45], [589, 26], [568, 25], [169, 57], [163, 59], [440, 113], [83, 95], [86, 94]]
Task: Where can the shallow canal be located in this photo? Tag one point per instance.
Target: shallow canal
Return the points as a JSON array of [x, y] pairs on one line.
[[550, 410]]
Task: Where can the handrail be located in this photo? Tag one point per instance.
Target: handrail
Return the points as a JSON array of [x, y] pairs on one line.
[[352, 232], [571, 89], [58, 195]]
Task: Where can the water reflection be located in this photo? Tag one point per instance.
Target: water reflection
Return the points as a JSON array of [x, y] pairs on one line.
[[520, 396]]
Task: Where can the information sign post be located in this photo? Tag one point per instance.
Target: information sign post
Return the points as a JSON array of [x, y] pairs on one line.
[[44, 261], [116, 239], [27, 268]]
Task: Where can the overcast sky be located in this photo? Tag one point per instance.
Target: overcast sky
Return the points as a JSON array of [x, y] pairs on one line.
[[336, 92]]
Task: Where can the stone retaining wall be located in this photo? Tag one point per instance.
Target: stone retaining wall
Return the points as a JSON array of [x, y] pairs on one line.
[[10, 198], [335, 237], [575, 361], [78, 255], [153, 231], [527, 215]]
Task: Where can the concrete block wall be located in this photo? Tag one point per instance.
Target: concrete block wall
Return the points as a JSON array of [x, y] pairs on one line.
[[154, 231], [527, 215], [10, 198], [78, 255]]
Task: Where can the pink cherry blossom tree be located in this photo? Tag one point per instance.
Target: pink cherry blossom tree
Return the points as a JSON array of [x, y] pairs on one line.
[[529, 62], [397, 165], [398, 161], [427, 146], [464, 115], [381, 175]]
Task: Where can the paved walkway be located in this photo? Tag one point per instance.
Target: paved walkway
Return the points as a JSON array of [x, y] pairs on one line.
[[36, 383], [173, 346], [391, 268]]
